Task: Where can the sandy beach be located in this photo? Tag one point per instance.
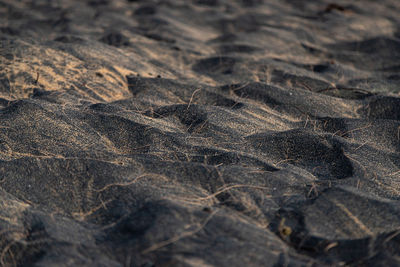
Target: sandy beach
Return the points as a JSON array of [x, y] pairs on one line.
[[199, 133]]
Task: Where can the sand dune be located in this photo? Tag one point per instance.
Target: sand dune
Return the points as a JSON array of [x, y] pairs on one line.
[[199, 133]]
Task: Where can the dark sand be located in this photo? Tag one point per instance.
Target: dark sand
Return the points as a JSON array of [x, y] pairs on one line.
[[199, 133]]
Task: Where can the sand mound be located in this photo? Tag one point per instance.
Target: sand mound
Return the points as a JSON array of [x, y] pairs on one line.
[[199, 133]]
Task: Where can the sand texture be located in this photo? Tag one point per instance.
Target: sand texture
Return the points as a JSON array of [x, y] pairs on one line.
[[199, 133]]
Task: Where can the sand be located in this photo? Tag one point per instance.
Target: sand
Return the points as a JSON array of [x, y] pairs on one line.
[[199, 133]]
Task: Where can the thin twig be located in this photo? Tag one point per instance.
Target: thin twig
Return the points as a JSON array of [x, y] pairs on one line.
[[179, 237], [232, 187], [128, 183], [191, 98]]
